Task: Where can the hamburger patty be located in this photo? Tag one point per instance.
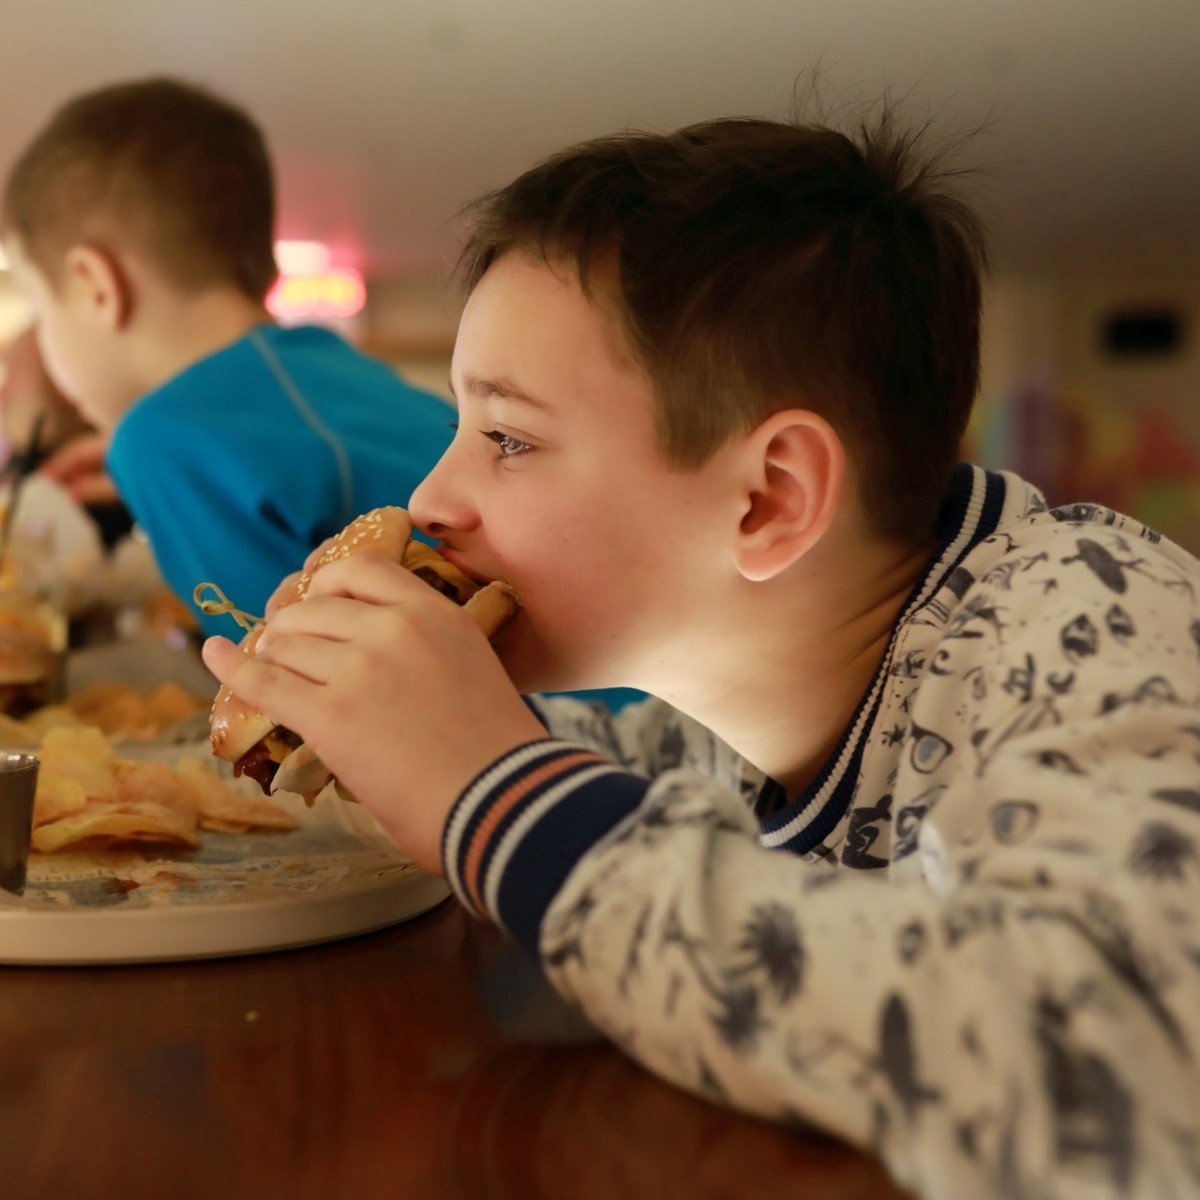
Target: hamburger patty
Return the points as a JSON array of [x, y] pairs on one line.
[[260, 762]]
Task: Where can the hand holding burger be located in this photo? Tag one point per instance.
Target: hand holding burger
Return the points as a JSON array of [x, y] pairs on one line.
[[271, 752]]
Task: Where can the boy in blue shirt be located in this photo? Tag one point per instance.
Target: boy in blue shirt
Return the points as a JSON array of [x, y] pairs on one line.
[[139, 224], [907, 843]]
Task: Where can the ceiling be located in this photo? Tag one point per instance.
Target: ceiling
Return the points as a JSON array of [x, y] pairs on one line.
[[386, 115]]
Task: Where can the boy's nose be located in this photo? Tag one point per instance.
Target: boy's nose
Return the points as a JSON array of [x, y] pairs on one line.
[[431, 506]]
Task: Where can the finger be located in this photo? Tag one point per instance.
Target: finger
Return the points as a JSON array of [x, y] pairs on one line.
[[291, 699], [370, 578], [299, 584], [313, 658], [84, 452], [335, 618], [94, 489], [221, 656], [284, 594], [71, 457], [310, 563]]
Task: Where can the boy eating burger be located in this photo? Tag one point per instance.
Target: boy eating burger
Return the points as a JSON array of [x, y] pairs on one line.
[[905, 844]]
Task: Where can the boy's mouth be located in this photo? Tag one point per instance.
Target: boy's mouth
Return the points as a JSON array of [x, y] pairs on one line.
[[451, 557]]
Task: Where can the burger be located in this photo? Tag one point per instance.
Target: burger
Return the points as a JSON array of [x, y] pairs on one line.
[[272, 754], [27, 671]]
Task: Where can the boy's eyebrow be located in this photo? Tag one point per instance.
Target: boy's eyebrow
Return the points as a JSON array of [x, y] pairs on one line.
[[501, 387]]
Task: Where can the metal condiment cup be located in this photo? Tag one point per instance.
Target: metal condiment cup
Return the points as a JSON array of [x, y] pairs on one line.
[[18, 784]]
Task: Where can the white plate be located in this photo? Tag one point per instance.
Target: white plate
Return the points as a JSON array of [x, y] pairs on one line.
[[336, 876]]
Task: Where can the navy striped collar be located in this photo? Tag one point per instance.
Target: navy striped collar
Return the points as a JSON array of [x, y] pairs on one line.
[[969, 516]]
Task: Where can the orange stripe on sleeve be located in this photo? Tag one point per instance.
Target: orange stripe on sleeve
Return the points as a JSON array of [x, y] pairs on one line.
[[504, 804]]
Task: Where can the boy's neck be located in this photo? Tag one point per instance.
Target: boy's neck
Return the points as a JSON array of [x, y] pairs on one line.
[[179, 330], [795, 661]]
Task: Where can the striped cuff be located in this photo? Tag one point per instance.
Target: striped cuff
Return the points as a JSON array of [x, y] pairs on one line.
[[519, 828]]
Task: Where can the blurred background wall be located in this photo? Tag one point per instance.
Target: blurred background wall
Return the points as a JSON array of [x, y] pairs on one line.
[[385, 119], [1090, 388]]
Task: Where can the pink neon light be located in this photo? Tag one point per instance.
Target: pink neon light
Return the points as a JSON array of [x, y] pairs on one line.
[[338, 293]]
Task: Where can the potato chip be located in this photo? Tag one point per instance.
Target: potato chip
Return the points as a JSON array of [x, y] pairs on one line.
[[223, 808], [56, 797], [215, 826], [51, 716], [151, 782], [169, 703], [97, 696], [149, 823], [83, 755], [115, 708]]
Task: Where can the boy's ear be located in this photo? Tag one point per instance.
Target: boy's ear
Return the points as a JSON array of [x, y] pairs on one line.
[[794, 465], [95, 278]]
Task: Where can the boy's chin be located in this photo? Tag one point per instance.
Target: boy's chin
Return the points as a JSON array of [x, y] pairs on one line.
[[528, 677], [528, 665]]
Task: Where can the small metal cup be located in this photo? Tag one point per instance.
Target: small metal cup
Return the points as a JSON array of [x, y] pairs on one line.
[[18, 784]]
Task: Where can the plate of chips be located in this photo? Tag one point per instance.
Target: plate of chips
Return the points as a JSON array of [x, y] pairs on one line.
[[166, 856], [123, 713]]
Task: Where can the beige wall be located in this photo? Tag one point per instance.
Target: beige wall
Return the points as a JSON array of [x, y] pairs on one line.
[[1021, 333], [1173, 381], [1121, 430], [1048, 329], [411, 324]]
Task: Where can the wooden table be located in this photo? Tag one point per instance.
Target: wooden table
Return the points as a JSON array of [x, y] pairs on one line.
[[430, 1060]]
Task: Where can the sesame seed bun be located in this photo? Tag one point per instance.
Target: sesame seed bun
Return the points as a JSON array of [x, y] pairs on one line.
[[235, 727]]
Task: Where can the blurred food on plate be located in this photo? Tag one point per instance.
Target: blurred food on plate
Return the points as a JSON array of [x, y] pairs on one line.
[[67, 449], [56, 556], [30, 402], [28, 668], [120, 711]]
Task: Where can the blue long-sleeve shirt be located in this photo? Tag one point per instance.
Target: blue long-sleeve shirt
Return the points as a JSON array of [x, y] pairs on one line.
[[242, 463]]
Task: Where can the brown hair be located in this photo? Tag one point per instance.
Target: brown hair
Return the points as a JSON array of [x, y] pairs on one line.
[[762, 265], [157, 164]]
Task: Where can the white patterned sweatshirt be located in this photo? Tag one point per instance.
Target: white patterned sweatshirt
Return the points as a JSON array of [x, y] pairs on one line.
[[972, 944]]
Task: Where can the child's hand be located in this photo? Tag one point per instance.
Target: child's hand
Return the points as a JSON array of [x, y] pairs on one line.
[[79, 467], [392, 685]]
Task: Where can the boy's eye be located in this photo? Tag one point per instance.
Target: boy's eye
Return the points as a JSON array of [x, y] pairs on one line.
[[510, 447]]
